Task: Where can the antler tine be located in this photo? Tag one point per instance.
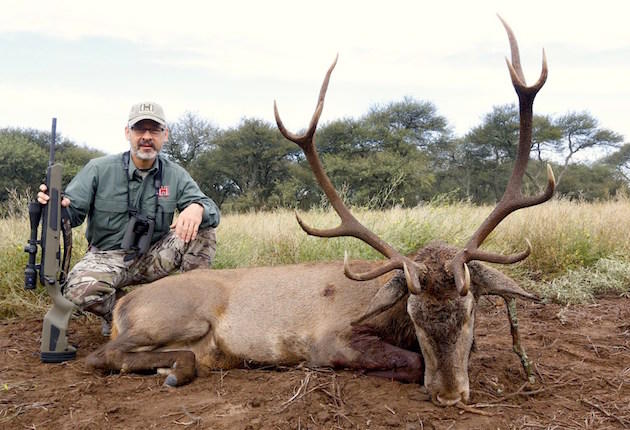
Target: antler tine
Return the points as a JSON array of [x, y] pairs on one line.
[[304, 139], [516, 57], [349, 226], [381, 270], [515, 68], [512, 199]]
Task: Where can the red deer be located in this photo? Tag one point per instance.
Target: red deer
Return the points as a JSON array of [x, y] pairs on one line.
[[410, 319]]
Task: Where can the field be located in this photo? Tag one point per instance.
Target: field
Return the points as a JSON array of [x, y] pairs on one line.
[[578, 339]]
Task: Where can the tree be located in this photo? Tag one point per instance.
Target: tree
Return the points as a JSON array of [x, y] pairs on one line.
[[399, 126], [580, 132], [620, 161], [386, 157], [382, 179], [246, 165], [487, 152], [25, 154], [596, 182], [26, 163], [189, 137], [73, 158], [348, 137], [32, 136], [483, 159]]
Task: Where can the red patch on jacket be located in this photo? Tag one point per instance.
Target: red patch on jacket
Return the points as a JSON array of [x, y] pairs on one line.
[[163, 191]]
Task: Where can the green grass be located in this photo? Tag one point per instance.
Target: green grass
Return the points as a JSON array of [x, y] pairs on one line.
[[584, 284], [580, 250]]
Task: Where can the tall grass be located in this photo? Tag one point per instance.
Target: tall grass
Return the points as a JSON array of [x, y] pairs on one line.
[[564, 235], [14, 234], [573, 244]]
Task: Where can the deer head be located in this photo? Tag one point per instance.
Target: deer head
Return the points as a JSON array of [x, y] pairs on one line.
[[440, 285]]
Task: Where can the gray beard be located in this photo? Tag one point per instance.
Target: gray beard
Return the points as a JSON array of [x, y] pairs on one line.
[[142, 155]]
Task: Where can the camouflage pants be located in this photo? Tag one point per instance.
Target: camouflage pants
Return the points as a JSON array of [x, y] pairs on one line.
[[97, 279]]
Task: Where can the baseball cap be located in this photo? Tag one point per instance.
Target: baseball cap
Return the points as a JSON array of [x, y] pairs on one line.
[[146, 110]]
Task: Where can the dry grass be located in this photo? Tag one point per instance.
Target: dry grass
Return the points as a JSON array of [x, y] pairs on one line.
[[565, 235], [572, 243]]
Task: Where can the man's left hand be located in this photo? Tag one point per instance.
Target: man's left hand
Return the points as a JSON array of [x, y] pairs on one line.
[[187, 223]]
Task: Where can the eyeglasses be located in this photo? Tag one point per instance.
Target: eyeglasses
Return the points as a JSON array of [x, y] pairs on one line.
[[152, 131]]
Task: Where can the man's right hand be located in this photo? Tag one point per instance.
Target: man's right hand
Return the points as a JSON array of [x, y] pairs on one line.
[[43, 198]]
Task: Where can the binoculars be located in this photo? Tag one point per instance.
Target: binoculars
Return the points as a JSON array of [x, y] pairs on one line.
[[138, 234]]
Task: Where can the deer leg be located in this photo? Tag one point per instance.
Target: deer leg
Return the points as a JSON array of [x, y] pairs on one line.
[[116, 355], [516, 339], [378, 358], [179, 365]]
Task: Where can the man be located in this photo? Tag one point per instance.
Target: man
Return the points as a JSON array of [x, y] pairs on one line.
[[129, 200]]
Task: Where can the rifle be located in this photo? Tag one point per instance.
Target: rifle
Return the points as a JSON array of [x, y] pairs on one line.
[[53, 268]]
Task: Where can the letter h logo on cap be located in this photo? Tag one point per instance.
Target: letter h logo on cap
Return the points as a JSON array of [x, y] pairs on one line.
[[146, 107]]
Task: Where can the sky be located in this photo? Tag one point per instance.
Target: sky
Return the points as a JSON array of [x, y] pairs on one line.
[[87, 62]]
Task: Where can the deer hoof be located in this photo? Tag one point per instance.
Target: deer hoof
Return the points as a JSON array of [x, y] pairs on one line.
[[171, 381]]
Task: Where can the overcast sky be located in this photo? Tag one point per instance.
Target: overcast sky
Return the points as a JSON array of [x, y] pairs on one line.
[[87, 62]]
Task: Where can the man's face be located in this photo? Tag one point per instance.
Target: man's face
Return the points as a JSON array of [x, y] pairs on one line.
[[146, 138]]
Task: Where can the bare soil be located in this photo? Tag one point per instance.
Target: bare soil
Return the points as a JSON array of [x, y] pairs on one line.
[[581, 356]]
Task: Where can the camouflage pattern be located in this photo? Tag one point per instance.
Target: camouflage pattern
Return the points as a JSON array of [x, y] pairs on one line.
[[97, 279]]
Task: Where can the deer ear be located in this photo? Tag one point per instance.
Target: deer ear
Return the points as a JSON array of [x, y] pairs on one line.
[[386, 297], [489, 281]]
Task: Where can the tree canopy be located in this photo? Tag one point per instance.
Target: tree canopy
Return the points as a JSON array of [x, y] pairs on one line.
[[401, 153], [24, 155]]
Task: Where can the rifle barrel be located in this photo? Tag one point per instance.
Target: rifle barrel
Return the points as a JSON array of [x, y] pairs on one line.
[[53, 138]]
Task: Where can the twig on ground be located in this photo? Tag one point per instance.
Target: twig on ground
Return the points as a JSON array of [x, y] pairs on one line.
[[520, 392], [344, 416], [303, 390], [533, 425], [494, 405], [609, 383], [472, 410], [182, 423], [336, 389], [303, 386], [183, 411], [605, 412], [542, 380], [593, 346], [193, 418]]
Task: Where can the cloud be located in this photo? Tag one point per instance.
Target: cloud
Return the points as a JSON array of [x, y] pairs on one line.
[[88, 62]]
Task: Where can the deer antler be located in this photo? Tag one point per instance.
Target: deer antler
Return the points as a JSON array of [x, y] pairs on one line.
[[512, 199], [349, 226]]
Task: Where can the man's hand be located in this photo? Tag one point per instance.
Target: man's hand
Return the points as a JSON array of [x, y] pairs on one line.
[[187, 223], [43, 198]]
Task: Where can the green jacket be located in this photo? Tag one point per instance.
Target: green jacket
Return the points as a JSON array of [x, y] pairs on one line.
[[99, 191]]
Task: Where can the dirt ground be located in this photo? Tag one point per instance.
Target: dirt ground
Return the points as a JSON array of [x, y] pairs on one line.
[[581, 356]]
